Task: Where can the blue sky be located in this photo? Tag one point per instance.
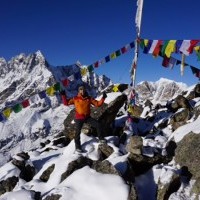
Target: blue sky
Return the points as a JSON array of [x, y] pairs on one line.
[[88, 30]]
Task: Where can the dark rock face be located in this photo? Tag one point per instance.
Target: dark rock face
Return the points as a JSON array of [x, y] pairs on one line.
[[77, 164], [185, 154], [27, 171], [8, 184], [104, 151], [104, 167], [180, 118], [165, 191], [53, 197], [46, 174], [194, 93], [179, 102], [141, 164]]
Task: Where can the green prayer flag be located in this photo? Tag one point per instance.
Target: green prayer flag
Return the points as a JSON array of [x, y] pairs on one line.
[[118, 52], [164, 47], [17, 108], [90, 68], [57, 87]]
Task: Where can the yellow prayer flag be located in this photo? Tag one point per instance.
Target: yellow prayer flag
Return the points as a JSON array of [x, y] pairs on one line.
[[170, 48], [83, 71], [115, 88], [50, 91], [197, 48], [113, 55], [146, 42], [7, 112]]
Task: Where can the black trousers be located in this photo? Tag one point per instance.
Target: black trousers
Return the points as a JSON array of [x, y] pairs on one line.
[[79, 124]]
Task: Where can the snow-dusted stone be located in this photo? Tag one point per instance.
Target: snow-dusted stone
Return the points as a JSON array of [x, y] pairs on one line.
[[135, 145]]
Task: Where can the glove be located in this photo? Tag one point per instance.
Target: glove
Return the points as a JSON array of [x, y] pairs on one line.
[[104, 95], [62, 92]]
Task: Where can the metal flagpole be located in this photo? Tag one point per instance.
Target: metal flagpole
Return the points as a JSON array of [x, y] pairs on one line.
[[138, 20]]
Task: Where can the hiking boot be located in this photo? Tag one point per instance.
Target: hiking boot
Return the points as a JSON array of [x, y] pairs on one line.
[[102, 141]]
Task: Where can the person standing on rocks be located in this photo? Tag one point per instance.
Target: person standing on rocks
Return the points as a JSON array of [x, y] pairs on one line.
[[82, 103]]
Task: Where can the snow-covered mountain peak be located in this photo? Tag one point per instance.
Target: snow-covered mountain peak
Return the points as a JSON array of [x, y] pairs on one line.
[[161, 90], [24, 76]]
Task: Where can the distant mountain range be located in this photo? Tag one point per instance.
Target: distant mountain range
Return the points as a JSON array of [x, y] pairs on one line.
[[159, 91], [24, 76]]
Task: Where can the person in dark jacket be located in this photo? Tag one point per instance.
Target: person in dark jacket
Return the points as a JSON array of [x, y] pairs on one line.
[[82, 103]]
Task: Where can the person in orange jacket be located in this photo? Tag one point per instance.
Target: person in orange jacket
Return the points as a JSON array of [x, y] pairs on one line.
[[82, 103]]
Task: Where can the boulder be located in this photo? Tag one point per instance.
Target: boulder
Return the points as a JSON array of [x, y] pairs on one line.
[[8, 184], [187, 153]]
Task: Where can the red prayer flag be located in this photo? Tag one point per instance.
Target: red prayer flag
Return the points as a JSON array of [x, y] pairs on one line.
[[65, 82], [157, 48], [192, 45], [124, 50], [165, 62], [25, 103], [96, 64]]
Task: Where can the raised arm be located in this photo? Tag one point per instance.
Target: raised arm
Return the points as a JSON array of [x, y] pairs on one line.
[[66, 101], [100, 102]]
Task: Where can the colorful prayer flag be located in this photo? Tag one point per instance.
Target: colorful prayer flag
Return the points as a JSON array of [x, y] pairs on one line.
[[113, 55], [178, 45], [50, 91], [172, 62], [197, 49], [124, 50], [195, 71], [7, 112], [165, 62], [57, 87], [178, 62], [153, 46], [34, 99], [184, 47], [118, 52], [115, 88], [193, 43], [77, 75], [17, 108], [71, 78], [1, 117], [170, 48], [107, 58], [83, 71], [164, 47], [96, 64], [25, 103], [65, 82], [102, 61], [157, 48], [42, 94], [147, 47], [132, 45], [90, 68]]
